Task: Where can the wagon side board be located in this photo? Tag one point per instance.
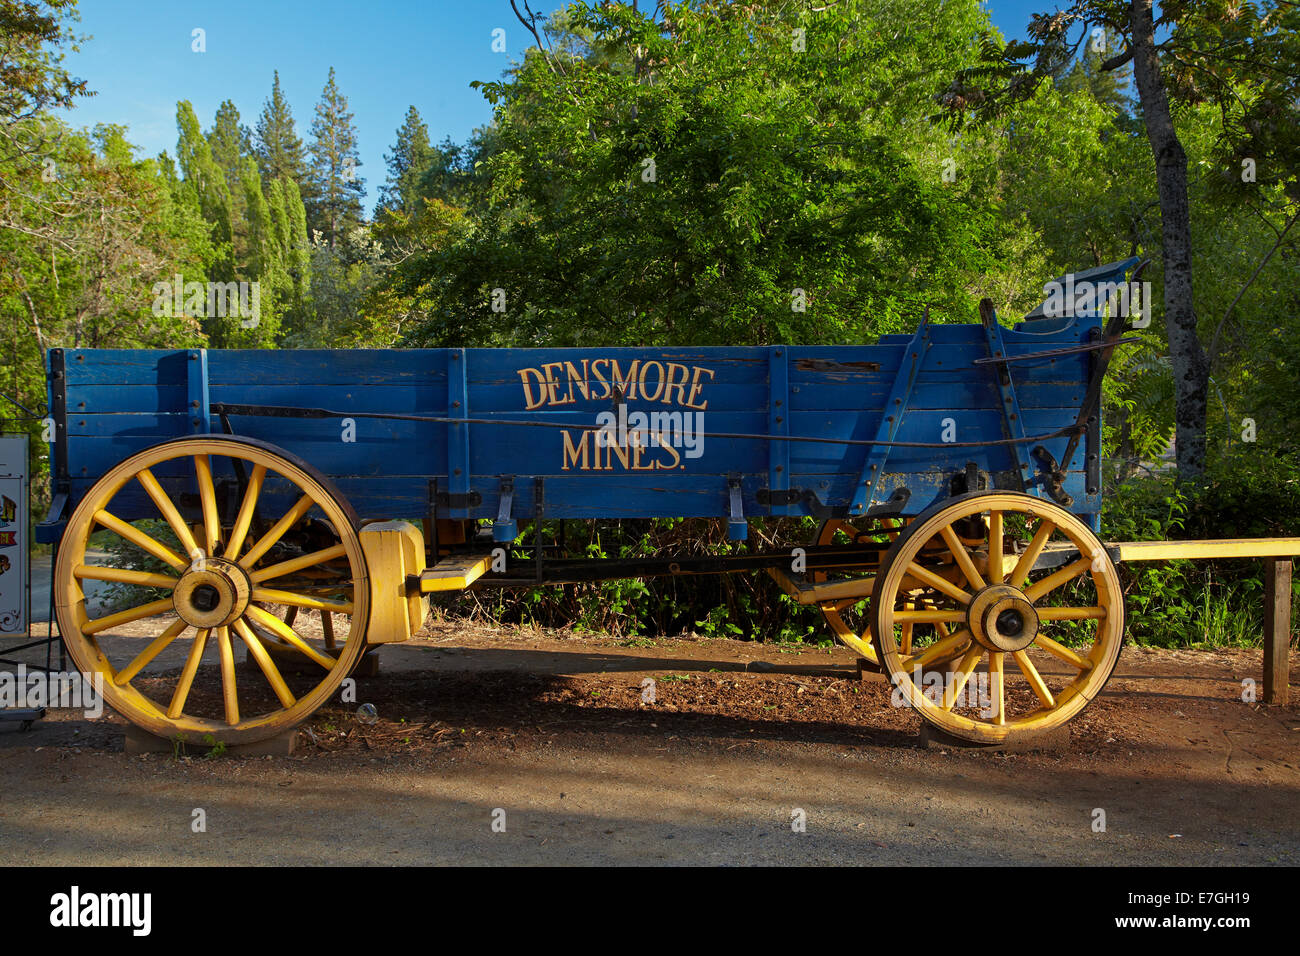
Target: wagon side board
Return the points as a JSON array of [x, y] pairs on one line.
[[791, 425]]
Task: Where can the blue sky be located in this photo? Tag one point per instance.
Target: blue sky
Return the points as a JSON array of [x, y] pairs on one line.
[[387, 55]]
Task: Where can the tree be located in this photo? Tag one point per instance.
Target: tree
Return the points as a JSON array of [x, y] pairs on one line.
[[32, 82], [407, 164], [205, 187], [724, 173], [335, 206], [1241, 58], [280, 153]]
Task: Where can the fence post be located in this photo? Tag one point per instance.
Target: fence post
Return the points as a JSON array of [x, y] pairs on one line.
[[1277, 630]]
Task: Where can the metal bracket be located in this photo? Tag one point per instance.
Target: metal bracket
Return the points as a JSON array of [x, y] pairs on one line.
[[778, 423], [892, 507], [448, 501], [973, 478], [1012, 420], [458, 432], [539, 510], [196, 392], [1053, 476], [504, 528], [1092, 438], [891, 417], [737, 526]]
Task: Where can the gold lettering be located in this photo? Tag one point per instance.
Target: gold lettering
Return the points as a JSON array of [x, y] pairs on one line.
[[571, 452], [621, 452], [645, 392], [552, 386], [696, 387], [628, 384], [672, 383], [677, 458], [529, 402], [603, 381], [579, 379]]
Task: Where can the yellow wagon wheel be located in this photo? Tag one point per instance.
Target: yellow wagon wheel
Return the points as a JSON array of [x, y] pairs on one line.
[[848, 617], [203, 575], [1021, 639]]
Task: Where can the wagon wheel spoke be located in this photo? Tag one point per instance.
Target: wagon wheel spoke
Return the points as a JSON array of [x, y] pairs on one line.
[[1031, 553], [1060, 651], [1093, 613], [934, 654], [247, 511], [156, 647], [229, 692], [280, 629], [144, 579], [963, 558], [182, 692], [208, 501], [961, 676], [297, 564], [1040, 589], [152, 609], [937, 583], [995, 547], [265, 662], [841, 605], [927, 615], [295, 601], [996, 687], [168, 510], [144, 542], [1035, 679], [278, 531]]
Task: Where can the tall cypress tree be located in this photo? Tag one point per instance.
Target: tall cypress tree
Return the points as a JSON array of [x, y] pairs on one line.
[[407, 164], [231, 144], [205, 188], [336, 206]]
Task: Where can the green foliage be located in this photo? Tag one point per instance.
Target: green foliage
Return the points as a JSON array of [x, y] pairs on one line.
[[1203, 603], [335, 207]]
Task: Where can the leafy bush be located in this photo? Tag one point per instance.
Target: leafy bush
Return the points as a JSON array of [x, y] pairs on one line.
[[1198, 603]]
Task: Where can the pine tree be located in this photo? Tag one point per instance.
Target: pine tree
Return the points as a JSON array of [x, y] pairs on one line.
[[336, 206], [1108, 87], [407, 164], [279, 151]]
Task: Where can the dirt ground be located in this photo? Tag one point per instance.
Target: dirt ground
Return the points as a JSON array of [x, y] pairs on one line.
[[548, 734]]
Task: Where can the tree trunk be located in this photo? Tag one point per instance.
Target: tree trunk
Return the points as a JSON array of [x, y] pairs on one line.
[[1191, 373]]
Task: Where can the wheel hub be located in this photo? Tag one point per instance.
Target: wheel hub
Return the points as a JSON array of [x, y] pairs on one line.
[[1002, 619], [213, 592]]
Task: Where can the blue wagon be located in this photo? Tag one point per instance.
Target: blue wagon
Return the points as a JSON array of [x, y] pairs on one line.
[[293, 508]]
